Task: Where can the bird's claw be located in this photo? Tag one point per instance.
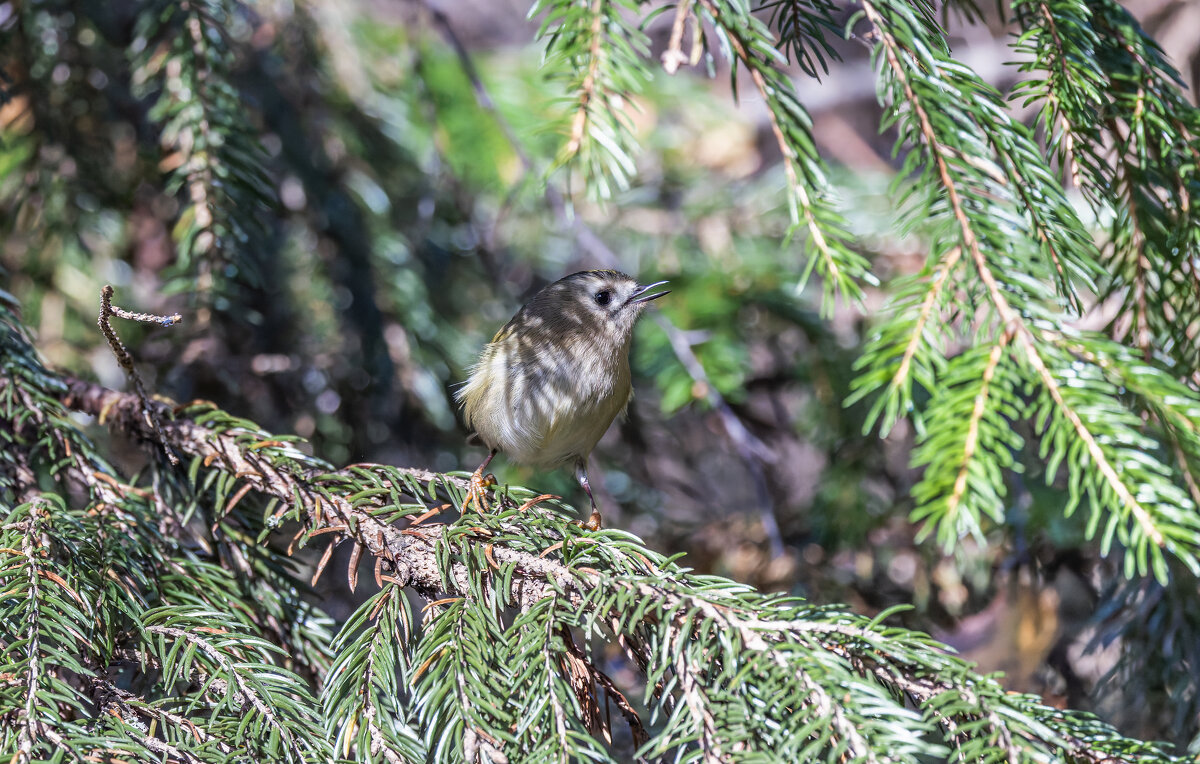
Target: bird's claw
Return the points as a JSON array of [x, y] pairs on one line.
[[593, 523], [477, 491]]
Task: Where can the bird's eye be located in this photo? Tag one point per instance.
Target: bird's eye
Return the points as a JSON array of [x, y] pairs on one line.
[[603, 297]]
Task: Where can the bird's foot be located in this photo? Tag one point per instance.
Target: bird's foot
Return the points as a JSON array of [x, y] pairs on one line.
[[477, 491], [593, 523]]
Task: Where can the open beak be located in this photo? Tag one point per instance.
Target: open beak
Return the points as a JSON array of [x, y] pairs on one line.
[[636, 297]]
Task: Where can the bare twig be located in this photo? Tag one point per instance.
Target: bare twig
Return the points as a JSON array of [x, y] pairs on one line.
[[674, 57], [107, 311], [752, 451]]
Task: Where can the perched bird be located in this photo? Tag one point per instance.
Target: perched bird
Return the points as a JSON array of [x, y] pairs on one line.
[[549, 384]]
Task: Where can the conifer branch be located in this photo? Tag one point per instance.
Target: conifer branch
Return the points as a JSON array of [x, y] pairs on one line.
[[560, 714], [937, 152], [114, 584], [215, 159], [419, 562], [1186, 469], [1010, 319], [843, 271], [30, 724], [978, 410], [245, 692], [698, 705], [599, 53], [411, 552], [1052, 386], [1114, 114], [795, 187], [217, 687], [587, 88], [933, 294]]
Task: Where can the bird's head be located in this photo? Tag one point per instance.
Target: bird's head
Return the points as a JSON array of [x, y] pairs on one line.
[[600, 304]]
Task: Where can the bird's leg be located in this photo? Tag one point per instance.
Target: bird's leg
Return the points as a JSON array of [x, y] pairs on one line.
[[477, 491], [593, 523]]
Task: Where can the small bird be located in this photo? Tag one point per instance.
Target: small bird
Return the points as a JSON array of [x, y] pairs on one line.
[[549, 384]]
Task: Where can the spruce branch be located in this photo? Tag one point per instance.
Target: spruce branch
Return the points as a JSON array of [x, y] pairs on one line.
[[237, 681], [493, 559], [29, 729], [273, 706], [215, 160], [361, 698], [216, 686], [506, 662], [588, 86], [977, 197], [560, 713], [749, 43], [963, 457], [1116, 116], [805, 30], [908, 350], [138, 718], [44, 630], [598, 51], [292, 483]]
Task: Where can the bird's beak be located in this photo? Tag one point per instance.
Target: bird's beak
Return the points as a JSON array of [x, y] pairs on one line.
[[636, 297]]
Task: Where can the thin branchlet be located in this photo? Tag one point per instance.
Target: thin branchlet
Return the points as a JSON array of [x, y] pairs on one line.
[[107, 311]]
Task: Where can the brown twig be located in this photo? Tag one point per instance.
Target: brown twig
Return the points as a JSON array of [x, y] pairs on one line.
[[674, 57], [107, 311]]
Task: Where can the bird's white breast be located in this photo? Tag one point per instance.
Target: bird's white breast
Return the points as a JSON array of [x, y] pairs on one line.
[[546, 406]]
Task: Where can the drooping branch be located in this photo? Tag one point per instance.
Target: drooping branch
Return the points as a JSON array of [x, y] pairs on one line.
[[1023, 333], [769, 631]]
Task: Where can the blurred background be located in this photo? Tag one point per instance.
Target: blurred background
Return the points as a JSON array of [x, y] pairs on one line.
[[381, 168]]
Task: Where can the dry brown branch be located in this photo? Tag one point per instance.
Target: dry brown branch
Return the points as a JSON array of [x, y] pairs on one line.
[[107, 311], [674, 57]]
